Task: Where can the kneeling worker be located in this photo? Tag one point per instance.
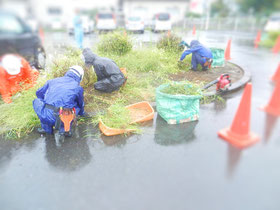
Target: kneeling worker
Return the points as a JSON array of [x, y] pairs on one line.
[[15, 74], [109, 75], [59, 100], [200, 55]]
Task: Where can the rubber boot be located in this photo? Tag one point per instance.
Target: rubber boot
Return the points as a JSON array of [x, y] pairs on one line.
[[41, 131]]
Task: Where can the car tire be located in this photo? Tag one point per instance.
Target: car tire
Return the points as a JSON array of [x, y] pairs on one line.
[[40, 58]]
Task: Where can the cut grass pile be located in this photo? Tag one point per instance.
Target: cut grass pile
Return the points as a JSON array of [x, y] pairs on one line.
[[182, 88], [116, 116]]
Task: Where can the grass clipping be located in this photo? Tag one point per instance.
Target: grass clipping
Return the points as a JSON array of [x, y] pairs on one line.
[[118, 117], [183, 88]]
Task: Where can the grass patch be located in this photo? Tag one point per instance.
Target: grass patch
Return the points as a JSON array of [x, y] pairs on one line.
[[270, 39], [18, 118], [115, 43], [170, 43]]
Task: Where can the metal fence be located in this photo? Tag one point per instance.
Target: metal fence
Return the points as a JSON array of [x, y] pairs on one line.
[[248, 24]]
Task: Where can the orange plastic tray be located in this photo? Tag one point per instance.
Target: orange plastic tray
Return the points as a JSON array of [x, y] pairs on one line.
[[107, 131], [140, 112]]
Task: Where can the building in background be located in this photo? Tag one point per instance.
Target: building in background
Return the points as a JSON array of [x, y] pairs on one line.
[[146, 9], [55, 14]]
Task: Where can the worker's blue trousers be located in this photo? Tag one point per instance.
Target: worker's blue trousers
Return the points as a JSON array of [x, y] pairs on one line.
[[197, 59], [47, 116]]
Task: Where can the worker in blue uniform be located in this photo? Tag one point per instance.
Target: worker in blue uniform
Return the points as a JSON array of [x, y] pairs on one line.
[[78, 30], [57, 94], [200, 55]]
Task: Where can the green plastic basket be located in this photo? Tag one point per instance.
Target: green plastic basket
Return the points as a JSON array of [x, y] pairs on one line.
[[175, 109], [218, 57]]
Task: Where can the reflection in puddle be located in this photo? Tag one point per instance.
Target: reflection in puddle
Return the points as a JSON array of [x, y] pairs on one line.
[[234, 155], [270, 123], [166, 134], [69, 154]]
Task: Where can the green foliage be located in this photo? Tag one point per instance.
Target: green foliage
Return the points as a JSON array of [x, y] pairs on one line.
[[186, 63], [170, 43], [192, 15], [270, 39], [219, 8], [182, 88], [72, 57], [114, 43], [18, 118], [259, 6]]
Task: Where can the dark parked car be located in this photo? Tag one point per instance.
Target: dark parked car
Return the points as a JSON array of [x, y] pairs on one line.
[[17, 37]]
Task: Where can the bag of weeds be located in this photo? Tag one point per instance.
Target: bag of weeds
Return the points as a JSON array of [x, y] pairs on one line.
[[218, 57], [178, 102]]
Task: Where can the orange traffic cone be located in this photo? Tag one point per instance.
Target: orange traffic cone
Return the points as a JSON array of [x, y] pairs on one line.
[[276, 47], [239, 134], [258, 39], [193, 30], [276, 76], [42, 35], [273, 106], [227, 52], [168, 33]]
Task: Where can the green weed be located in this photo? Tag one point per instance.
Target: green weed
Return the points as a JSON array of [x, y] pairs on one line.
[[170, 43], [115, 43], [270, 40], [18, 118]]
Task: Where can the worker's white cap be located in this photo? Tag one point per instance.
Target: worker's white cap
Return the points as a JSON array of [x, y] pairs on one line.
[[12, 64], [78, 70]]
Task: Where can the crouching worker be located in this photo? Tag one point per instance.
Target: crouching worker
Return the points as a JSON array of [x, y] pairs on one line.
[[59, 101], [15, 74], [109, 76], [200, 55]]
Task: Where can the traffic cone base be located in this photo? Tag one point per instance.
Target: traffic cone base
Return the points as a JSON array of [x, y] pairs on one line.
[[271, 110], [237, 140]]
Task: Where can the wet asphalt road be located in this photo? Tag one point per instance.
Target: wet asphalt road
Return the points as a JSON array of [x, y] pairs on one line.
[[167, 167]]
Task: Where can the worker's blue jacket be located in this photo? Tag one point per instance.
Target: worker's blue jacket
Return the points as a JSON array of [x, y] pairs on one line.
[[63, 92], [196, 47]]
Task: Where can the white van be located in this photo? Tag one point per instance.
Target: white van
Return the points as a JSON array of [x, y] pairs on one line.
[[161, 22], [273, 24], [135, 24], [106, 22]]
